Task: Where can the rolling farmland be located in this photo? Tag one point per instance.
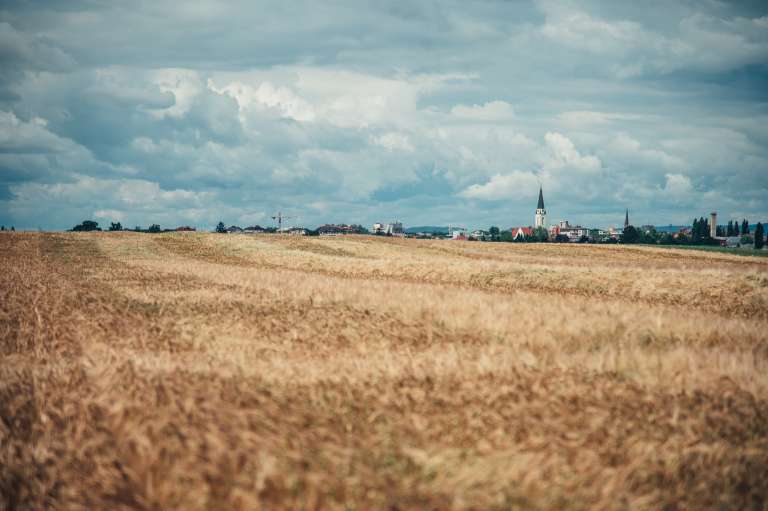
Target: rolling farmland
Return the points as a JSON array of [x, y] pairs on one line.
[[204, 371]]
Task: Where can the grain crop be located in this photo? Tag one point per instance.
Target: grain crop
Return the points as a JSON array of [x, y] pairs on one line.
[[205, 371]]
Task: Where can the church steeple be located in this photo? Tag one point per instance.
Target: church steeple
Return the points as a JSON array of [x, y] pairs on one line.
[[541, 213], [626, 219]]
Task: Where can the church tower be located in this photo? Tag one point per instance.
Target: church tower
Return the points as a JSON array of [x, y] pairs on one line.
[[626, 219], [541, 213]]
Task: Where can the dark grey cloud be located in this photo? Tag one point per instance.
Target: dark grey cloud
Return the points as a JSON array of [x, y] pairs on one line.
[[429, 112]]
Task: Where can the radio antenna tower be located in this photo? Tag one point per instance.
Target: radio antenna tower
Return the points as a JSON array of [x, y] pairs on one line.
[[280, 219]]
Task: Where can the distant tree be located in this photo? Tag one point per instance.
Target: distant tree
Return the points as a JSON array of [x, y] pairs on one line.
[[745, 227], [506, 235], [87, 225], [729, 229], [759, 236], [700, 231], [13, 229], [562, 238], [650, 236], [695, 229], [667, 239], [358, 229], [494, 233], [154, 228], [630, 235], [220, 228], [2, 228], [115, 226], [540, 234], [720, 230]]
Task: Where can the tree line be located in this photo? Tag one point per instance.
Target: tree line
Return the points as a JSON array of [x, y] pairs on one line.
[[90, 225], [700, 234]]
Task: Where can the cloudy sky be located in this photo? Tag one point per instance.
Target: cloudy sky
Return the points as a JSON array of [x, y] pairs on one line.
[[428, 112]]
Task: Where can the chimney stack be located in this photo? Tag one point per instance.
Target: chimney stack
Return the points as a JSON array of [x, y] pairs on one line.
[[713, 224]]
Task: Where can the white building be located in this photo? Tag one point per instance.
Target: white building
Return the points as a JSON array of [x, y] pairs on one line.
[[390, 229]]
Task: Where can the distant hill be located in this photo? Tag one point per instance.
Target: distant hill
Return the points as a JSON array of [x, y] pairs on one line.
[[432, 229]]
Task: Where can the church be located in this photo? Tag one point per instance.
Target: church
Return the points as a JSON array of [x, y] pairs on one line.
[[541, 213]]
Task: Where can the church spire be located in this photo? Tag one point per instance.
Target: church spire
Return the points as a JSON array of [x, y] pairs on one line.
[[541, 214], [626, 219]]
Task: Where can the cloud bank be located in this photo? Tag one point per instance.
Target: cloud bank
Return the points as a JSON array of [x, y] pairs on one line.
[[428, 113]]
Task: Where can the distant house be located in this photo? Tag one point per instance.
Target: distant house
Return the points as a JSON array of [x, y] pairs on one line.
[[575, 233], [479, 234], [395, 229], [520, 233], [390, 229], [254, 229], [459, 235], [296, 231], [331, 230], [730, 241], [185, 228], [341, 229]]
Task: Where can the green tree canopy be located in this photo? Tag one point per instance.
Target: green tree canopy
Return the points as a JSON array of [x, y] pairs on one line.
[[630, 235], [759, 236], [540, 234], [87, 225]]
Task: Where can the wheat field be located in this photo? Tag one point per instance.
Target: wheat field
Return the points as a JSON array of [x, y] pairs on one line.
[[203, 371]]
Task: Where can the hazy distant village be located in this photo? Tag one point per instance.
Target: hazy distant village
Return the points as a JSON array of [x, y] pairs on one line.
[[702, 231]]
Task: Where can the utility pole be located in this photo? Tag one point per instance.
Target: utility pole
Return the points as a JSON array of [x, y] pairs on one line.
[[280, 219]]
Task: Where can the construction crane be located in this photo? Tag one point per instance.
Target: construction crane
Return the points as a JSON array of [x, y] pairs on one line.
[[280, 219]]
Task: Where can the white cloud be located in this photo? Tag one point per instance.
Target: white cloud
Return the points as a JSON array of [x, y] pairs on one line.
[[18, 136], [702, 42], [563, 155], [110, 215], [184, 84], [577, 118], [576, 28], [128, 193], [633, 151], [678, 185], [120, 85], [394, 142], [265, 96], [490, 111], [516, 184]]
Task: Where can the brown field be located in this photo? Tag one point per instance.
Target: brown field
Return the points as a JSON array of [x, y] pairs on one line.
[[202, 371]]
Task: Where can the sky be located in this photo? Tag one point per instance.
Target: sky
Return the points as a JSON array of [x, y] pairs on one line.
[[430, 113]]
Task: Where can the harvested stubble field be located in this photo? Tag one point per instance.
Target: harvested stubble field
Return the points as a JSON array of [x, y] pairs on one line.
[[202, 371]]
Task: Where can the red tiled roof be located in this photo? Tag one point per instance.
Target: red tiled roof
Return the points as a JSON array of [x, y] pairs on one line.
[[526, 231]]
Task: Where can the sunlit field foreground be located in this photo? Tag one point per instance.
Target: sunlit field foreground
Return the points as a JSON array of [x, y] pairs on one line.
[[203, 371]]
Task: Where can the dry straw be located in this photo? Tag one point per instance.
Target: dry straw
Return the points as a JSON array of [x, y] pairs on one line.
[[195, 371]]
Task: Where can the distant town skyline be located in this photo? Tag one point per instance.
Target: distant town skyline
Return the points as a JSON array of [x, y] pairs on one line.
[[430, 114]]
